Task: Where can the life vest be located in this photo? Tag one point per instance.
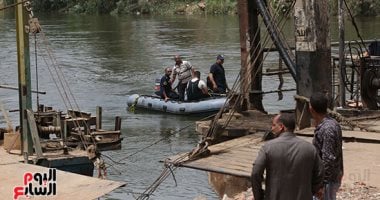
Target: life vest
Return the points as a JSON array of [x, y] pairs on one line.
[[193, 92]]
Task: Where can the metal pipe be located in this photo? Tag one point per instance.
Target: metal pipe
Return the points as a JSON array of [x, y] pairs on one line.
[[276, 39], [16, 88]]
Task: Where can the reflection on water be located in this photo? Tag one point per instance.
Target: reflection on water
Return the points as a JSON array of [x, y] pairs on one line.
[[107, 58]]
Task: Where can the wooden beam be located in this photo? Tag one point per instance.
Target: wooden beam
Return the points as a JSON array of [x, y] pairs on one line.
[[68, 185], [251, 54], [24, 80], [313, 53], [34, 132]]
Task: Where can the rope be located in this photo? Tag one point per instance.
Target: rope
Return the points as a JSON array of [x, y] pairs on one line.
[[245, 80], [337, 116], [35, 55], [169, 169], [13, 5], [34, 28], [354, 24], [132, 108], [64, 90], [160, 140]]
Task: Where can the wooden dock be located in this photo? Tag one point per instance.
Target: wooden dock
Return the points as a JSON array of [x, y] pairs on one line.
[[235, 157], [68, 185]]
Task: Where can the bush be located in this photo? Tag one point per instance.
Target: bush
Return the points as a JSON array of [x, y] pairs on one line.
[[221, 6]]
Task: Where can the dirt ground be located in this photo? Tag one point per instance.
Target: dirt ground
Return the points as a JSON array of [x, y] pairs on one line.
[[358, 191], [361, 163], [361, 180], [362, 172]]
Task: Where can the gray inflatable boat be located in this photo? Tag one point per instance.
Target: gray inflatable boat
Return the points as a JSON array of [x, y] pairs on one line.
[[212, 104]]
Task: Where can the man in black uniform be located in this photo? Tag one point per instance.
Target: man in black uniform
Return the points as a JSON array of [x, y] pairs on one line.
[[216, 80], [166, 91]]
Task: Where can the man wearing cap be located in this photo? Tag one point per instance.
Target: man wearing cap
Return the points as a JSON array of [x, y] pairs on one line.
[[216, 79], [184, 70]]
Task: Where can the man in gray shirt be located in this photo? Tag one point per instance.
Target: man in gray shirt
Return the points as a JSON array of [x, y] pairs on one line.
[[293, 168]]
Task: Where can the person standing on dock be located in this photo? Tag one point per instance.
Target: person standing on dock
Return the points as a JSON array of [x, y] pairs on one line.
[[184, 71], [216, 79], [328, 142], [166, 91], [294, 170]]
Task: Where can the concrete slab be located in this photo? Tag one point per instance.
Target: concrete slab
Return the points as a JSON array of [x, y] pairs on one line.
[[68, 185]]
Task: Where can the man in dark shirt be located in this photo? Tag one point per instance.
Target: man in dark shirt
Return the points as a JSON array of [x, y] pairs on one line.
[[216, 79], [166, 91], [293, 168], [328, 142]]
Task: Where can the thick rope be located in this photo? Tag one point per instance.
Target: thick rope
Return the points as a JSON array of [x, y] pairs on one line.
[[337, 116]]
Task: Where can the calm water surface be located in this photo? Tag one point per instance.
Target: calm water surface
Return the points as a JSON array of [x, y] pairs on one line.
[[105, 58]]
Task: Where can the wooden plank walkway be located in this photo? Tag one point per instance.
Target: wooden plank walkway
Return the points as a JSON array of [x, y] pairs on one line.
[[68, 185], [240, 124], [235, 157]]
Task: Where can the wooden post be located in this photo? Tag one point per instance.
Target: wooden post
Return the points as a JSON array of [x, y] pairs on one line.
[[24, 81], [34, 133], [64, 131], [342, 59], [117, 123], [243, 21], [59, 124], [98, 117], [250, 49], [313, 54]]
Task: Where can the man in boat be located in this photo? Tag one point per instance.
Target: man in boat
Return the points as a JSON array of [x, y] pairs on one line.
[[166, 90], [216, 79], [183, 70], [196, 89], [294, 170], [328, 142]]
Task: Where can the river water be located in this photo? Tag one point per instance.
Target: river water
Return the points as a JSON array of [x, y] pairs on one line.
[[106, 58]]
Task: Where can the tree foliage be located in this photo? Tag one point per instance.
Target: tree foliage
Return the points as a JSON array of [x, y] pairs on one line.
[[357, 7]]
